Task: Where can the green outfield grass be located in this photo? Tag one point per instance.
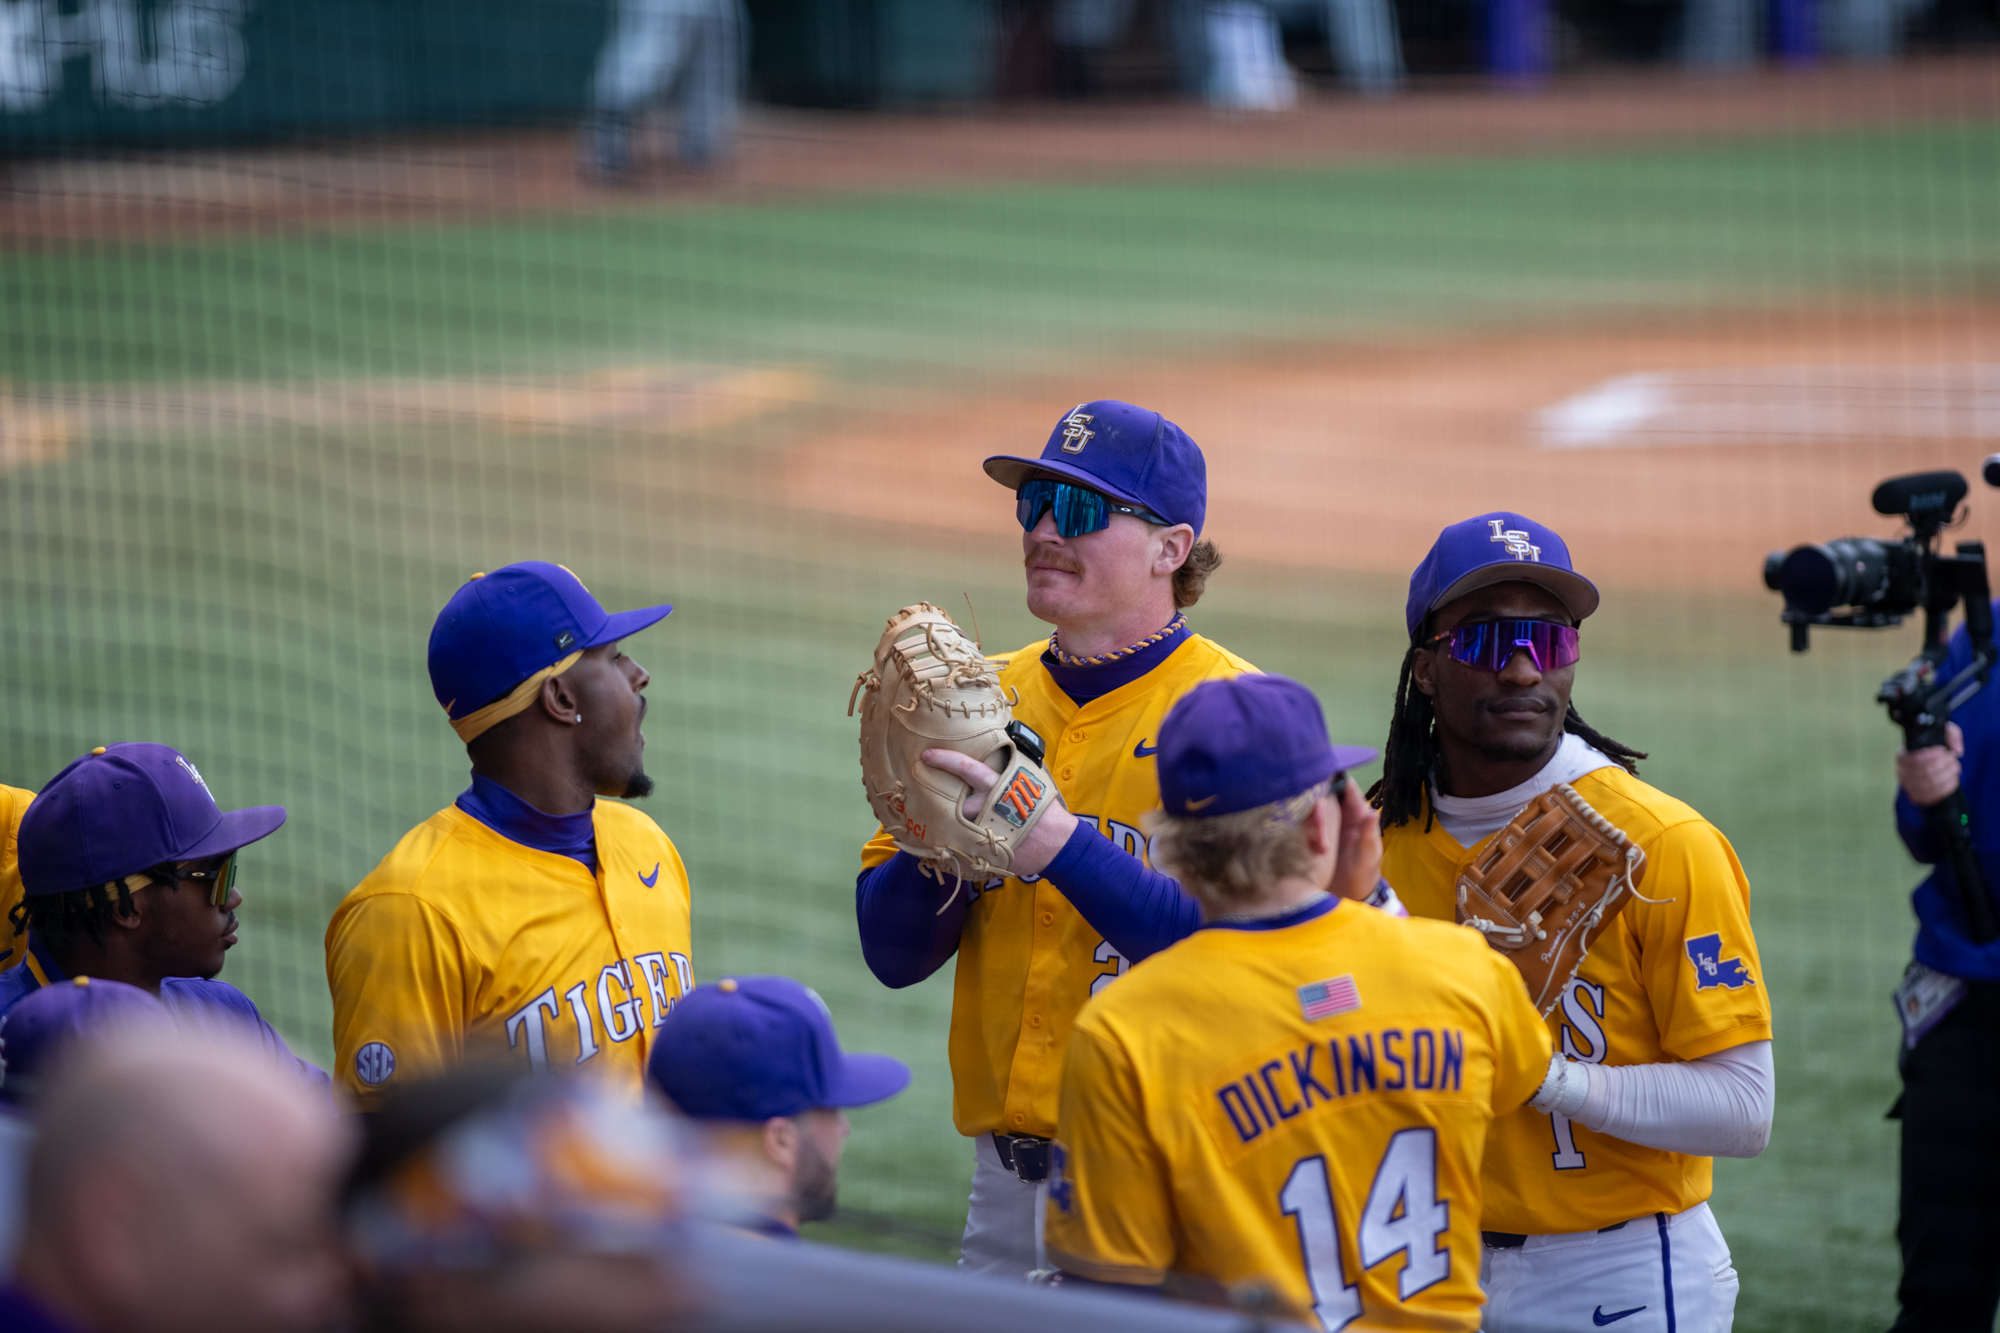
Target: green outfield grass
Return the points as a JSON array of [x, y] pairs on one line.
[[887, 284], [262, 600]]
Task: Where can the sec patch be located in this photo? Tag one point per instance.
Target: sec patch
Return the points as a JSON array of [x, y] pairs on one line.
[[374, 1063]]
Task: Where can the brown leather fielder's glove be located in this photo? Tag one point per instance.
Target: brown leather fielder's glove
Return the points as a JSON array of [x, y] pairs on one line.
[[932, 688], [1547, 885]]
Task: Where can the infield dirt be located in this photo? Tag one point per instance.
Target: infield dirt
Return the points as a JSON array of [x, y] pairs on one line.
[[1653, 439]]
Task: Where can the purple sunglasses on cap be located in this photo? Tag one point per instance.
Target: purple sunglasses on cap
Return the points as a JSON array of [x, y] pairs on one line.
[[1491, 644]]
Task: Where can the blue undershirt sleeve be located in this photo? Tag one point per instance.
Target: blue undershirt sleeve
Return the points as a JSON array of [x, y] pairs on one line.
[[1916, 830], [1138, 911], [904, 937]]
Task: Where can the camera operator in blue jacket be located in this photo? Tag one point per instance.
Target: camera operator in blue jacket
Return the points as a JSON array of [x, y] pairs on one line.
[[1949, 1225]]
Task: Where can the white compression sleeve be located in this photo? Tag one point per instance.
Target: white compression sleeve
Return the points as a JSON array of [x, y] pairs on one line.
[[1717, 1106]]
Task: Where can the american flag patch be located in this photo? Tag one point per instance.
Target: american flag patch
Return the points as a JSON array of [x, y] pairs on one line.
[[1324, 999]]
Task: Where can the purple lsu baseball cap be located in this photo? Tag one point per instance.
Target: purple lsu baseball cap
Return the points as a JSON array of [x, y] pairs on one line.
[[749, 1048], [126, 808], [501, 628], [1233, 745], [1494, 548], [1127, 452], [36, 1031]]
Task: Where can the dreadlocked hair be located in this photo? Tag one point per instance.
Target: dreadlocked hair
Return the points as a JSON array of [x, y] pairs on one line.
[[62, 920], [1410, 755]]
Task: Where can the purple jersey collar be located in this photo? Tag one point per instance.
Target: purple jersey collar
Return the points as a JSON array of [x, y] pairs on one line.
[[1087, 684], [1297, 917], [574, 836]]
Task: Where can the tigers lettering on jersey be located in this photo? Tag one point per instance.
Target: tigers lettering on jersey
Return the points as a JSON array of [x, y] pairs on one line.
[[617, 1017], [1028, 960], [1670, 979], [462, 939], [1211, 1128]]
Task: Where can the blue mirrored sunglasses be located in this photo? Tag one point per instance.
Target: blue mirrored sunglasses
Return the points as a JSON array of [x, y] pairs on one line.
[[1491, 644], [1078, 509]]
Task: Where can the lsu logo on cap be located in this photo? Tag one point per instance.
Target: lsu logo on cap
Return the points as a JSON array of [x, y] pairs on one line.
[[1076, 432], [1712, 969], [194, 773], [1516, 541]]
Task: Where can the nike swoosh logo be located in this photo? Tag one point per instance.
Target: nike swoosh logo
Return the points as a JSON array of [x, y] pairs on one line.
[[650, 880], [1203, 803], [1141, 750], [1599, 1318]]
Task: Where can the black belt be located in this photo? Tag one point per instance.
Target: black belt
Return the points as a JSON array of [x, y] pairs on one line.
[[1514, 1240], [1025, 1155]]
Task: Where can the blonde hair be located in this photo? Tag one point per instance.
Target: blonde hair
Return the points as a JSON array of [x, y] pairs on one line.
[[1230, 859], [1191, 579]]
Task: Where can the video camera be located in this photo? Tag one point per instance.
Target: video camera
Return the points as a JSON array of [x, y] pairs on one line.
[[1866, 583]]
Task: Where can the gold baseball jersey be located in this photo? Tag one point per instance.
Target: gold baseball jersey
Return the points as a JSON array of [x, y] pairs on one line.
[[1301, 1109], [13, 804], [1027, 959], [1674, 979], [462, 940]]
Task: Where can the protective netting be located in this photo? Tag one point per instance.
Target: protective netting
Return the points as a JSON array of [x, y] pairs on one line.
[[263, 406]]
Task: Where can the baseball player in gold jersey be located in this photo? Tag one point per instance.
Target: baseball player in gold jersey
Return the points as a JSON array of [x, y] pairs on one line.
[[1293, 1102], [1596, 1207], [1111, 516], [13, 804], [529, 919]]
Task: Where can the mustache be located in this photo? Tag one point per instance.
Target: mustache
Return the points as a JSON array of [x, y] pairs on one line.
[[1051, 557]]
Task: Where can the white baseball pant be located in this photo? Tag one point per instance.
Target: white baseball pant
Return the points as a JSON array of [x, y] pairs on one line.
[[1664, 1273], [1003, 1221]]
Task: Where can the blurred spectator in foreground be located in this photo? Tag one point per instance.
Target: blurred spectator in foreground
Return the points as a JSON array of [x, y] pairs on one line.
[[754, 1062], [494, 1201], [35, 1035], [489, 1200], [129, 870], [686, 51], [178, 1183]]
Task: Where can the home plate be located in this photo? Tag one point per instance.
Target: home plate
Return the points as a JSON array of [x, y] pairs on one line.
[[1778, 405]]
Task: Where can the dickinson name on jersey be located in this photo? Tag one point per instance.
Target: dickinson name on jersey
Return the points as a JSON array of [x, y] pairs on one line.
[[1233, 1114]]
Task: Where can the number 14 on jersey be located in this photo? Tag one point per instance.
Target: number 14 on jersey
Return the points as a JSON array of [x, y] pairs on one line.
[[1403, 1215]]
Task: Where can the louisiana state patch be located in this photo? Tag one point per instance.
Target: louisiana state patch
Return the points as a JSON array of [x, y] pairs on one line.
[[1711, 969]]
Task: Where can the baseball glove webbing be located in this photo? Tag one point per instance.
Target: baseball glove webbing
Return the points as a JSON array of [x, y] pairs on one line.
[[930, 687], [1547, 886]]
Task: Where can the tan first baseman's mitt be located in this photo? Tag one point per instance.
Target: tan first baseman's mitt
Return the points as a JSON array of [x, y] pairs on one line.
[[932, 688], [1547, 885]]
